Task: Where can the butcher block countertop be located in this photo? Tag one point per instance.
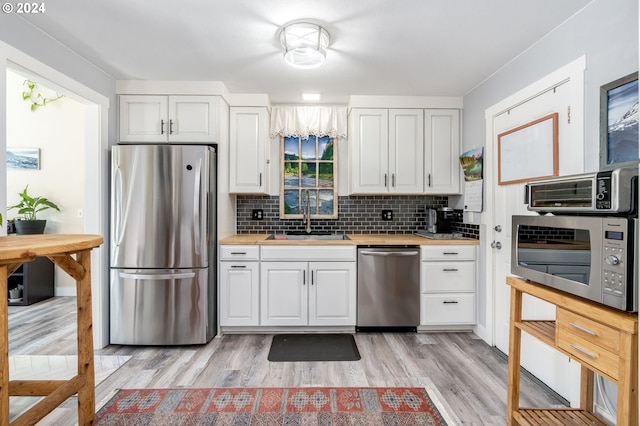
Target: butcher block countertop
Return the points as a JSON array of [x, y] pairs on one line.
[[355, 239], [25, 247]]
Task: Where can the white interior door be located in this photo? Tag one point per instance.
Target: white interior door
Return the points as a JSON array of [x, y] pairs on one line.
[[541, 360]]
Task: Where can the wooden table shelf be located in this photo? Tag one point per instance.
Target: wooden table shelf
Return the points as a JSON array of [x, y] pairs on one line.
[[72, 253], [601, 339]]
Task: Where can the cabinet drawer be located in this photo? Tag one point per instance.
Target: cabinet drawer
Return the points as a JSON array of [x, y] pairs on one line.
[[596, 333], [586, 351], [447, 276], [239, 252], [443, 309], [448, 252]]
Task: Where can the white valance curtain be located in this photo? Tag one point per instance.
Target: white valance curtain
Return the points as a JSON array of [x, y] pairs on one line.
[[303, 121]]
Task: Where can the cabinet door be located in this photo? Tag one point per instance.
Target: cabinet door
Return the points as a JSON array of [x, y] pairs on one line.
[[248, 145], [369, 151], [406, 151], [442, 149], [332, 293], [192, 119], [283, 293], [239, 293], [143, 118]]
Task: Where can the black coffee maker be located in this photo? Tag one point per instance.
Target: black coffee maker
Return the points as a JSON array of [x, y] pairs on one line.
[[444, 217]]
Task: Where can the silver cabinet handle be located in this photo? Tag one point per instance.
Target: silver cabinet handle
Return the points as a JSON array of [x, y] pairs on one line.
[[385, 180], [260, 179], [429, 179], [311, 277], [393, 180], [450, 269], [587, 353], [304, 277], [450, 302], [450, 253], [162, 127], [170, 127], [238, 266], [586, 330]]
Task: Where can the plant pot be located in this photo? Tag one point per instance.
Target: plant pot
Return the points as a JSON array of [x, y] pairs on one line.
[[15, 294], [24, 227]]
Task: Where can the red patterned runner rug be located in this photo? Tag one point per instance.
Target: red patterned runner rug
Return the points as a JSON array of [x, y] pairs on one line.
[[271, 406]]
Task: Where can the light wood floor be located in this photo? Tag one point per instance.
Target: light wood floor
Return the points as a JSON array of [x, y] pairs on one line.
[[461, 371]]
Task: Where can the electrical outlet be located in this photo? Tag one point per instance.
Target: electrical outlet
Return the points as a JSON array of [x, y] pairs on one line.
[[257, 214], [387, 214]]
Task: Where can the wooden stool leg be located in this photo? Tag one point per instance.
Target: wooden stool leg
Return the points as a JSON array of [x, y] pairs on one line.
[[86, 394], [515, 338], [4, 349]]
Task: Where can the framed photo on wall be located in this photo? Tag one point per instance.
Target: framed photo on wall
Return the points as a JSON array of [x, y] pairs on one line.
[[619, 123], [23, 158]]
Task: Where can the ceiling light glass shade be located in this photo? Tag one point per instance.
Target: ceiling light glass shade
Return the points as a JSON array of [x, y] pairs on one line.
[[305, 44]]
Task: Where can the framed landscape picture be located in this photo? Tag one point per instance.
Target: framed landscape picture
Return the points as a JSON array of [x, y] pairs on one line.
[[619, 123], [23, 158]]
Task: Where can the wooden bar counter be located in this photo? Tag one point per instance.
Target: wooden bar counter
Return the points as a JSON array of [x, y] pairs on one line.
[[601, 339], [61, 249]]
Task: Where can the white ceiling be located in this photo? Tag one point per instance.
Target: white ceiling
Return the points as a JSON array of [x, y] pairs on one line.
[[378, 47]]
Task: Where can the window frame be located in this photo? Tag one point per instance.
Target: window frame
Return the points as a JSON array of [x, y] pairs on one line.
[[300, 215]]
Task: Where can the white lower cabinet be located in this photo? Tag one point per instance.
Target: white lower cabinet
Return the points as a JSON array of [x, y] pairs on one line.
[[239, 286], [448, 285], [308, 293], [239, 293], [313, 286]]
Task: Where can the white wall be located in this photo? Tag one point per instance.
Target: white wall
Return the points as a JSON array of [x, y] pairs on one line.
[[22, 44], [606, 32], [58, 131]]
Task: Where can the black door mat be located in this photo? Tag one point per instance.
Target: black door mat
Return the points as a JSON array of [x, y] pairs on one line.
[[313, 347]]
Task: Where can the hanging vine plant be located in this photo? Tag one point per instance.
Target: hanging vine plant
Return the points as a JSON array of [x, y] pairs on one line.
[[36, 98]]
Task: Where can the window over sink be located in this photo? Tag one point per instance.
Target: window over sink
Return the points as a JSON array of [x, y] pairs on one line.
[[309, 172]]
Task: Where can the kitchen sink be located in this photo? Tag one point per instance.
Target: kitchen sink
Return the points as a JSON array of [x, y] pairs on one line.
[[304, 236]]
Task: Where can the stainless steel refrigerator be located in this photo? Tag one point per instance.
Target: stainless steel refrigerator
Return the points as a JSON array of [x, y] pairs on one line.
[[162, 244]]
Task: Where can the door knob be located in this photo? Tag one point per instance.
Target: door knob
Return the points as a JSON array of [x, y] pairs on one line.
[[498, 228], [496, 245]]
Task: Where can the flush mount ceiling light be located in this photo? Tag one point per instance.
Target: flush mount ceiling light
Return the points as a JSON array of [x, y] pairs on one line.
[[305, 44]]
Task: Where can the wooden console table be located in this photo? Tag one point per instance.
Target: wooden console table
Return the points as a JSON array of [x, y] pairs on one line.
[[601, 339], [14, 251]]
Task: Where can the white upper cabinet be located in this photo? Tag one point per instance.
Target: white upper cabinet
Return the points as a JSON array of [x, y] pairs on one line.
[[387, 151], [249, 141], [159, 119], [442, 151], [406, 150]]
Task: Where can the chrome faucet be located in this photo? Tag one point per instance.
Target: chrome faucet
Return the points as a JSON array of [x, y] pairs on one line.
[[306, 211]]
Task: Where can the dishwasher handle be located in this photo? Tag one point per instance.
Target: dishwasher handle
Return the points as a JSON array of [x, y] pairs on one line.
[[389, 253]]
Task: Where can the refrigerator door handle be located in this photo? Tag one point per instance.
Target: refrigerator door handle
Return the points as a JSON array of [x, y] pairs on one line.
[[176, 276], [197, 203], [117, 197]]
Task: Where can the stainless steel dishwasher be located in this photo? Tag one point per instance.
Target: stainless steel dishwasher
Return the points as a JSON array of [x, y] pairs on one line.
[[388, 287]]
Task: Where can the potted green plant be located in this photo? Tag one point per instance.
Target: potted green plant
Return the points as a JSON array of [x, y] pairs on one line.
[[15, 293], [29, 207]]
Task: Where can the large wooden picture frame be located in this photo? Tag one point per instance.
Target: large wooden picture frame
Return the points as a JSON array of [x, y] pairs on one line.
[[529, 151], [618, 123]]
